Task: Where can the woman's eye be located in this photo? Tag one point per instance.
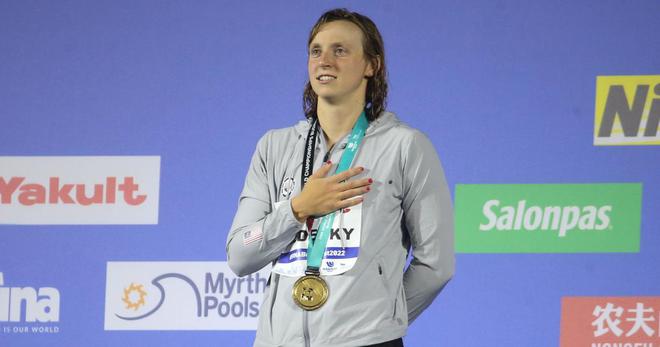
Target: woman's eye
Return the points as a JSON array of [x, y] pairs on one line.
[[340, 51], [315, 52]]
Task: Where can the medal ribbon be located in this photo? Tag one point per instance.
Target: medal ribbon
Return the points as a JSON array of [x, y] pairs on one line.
[[316, 246]]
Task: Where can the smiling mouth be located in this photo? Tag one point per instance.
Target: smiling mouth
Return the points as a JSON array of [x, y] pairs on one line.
[[326, 78]]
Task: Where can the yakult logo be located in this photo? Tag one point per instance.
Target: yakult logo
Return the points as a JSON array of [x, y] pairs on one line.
[[31, 310], [610, 321], [55, 192], [181, 296], [79, 190]]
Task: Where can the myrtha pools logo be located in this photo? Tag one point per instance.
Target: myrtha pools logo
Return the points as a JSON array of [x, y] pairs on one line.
[[28, 309], [181, 296]]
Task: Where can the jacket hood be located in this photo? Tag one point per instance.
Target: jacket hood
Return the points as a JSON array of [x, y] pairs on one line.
[[386, 121]]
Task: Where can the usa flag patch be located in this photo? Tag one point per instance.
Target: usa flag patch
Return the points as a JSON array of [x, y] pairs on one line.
[[253, 235]]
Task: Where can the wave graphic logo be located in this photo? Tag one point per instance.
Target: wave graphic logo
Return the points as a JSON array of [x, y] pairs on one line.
[[181, 296], [134, 296]]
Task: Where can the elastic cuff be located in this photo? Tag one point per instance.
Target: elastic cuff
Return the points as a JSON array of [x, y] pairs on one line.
[[291, 216]]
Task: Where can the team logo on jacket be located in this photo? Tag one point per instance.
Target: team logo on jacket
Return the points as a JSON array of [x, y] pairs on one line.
[[287, 187]]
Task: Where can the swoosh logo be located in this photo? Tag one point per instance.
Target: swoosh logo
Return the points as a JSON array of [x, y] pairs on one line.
[[156, 283]]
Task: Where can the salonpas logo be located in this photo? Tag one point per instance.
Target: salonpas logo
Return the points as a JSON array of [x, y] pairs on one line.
[[556, 218], [548, 218]]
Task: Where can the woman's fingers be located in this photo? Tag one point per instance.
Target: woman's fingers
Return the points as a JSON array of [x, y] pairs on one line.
[[322, 171], [354, 192], [347, 174], [350, 202], [355, 183]]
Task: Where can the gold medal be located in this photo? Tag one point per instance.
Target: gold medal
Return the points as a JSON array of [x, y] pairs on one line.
[[310, 292]]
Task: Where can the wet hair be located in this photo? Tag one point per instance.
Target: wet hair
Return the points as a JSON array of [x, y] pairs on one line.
[[374, 51]]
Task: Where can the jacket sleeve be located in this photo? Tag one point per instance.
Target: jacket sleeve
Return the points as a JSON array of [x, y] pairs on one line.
[[429, 221], [259, 232]]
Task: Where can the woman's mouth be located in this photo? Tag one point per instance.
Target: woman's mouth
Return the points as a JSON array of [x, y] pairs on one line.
[[326, 78]]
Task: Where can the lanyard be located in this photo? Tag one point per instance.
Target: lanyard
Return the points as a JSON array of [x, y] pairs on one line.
[[316, 246]]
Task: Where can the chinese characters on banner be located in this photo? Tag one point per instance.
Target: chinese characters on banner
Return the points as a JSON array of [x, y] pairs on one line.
[[610, 321]]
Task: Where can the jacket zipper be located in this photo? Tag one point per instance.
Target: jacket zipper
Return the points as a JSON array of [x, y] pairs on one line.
[[306, 329], [327, 154], [305, 313]]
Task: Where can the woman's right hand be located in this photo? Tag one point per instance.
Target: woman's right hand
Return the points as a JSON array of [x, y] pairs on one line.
[[322, 195]]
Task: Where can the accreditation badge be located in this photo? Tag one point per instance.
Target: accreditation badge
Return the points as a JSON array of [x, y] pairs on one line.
[[341, 251]]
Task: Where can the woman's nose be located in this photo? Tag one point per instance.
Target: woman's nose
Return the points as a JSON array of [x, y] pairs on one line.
[[326, 59]]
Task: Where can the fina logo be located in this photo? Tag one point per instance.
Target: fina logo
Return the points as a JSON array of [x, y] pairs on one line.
[[29, 305], [181, 296]]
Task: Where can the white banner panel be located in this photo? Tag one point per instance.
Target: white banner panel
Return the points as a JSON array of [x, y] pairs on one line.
[[181, 296], [79, 190]]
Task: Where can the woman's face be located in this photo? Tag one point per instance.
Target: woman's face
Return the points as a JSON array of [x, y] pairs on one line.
[[337, 66]]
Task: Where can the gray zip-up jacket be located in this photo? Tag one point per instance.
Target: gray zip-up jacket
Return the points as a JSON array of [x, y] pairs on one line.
[[409, 206]]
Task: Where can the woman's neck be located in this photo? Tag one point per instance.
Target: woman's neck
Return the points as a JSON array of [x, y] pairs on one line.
[[337, 120]]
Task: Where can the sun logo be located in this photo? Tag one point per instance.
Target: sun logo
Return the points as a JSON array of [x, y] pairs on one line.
[[134, 291]]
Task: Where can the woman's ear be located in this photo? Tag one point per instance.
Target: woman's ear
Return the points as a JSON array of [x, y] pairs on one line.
[[373, 67]]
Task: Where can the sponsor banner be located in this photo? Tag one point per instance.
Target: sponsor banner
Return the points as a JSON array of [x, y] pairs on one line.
[[548, 218], [28, 310], [610, 321], [627, 110], [79, 190], [181, 296]]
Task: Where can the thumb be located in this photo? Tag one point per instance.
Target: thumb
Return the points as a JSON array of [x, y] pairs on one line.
[[323, 170]]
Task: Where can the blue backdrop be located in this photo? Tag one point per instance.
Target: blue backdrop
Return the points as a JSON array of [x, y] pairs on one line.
[[504, 89]]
